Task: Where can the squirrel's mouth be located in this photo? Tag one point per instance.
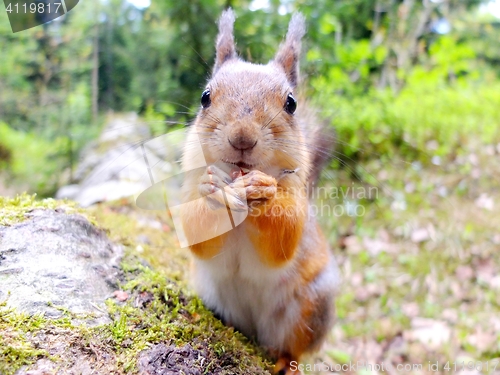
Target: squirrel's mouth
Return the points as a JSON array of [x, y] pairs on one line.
[[244, 165], [240, 164]]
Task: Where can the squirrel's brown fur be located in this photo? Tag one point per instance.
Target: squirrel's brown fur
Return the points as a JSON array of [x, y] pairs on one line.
[[260, 259]]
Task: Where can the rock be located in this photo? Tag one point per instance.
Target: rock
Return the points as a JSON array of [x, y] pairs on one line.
[[117, 164], [69, 191], [165, 359], [170, 360], [55, 260], [54, 263]]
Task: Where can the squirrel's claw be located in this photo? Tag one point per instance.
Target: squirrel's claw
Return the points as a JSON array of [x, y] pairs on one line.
[[258, 185], [217, 187]]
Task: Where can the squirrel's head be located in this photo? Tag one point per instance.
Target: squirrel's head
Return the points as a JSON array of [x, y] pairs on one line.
[[248, 111]]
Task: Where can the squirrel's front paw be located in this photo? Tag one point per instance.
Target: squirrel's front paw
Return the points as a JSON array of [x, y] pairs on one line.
[[212, 184], [258, 185]]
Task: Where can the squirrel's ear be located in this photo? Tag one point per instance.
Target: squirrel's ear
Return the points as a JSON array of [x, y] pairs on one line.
[[225, 49], [289, 52]]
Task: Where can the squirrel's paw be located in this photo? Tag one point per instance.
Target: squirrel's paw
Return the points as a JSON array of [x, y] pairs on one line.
[[258, 185], [282, 367], [212, 182]]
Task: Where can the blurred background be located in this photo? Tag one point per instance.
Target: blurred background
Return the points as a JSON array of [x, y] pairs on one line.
[[390, 75], [412, 88]]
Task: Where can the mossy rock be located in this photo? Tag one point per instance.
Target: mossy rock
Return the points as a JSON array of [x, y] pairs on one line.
[[154, 325]]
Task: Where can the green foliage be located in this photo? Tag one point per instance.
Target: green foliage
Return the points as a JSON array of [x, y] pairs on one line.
[[17, 348], [35, 162], [17, 353], [390, 83], [29, 156], [445, 100], [379, 122]]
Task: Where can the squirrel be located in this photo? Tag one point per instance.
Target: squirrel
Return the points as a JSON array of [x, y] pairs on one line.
[[267, 270]]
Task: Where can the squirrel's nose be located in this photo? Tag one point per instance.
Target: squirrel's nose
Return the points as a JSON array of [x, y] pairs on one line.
[[242, 143]]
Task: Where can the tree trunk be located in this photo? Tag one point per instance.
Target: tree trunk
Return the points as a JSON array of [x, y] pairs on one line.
[[95, 67]]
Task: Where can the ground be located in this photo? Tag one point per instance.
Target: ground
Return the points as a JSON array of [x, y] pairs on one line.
[[151, 310], [420, 267]]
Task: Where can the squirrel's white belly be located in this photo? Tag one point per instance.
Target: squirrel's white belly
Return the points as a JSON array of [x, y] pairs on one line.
[[248, 295]]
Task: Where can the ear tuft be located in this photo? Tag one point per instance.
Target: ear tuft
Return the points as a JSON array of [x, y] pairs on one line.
[[225, 49], [289, 52]]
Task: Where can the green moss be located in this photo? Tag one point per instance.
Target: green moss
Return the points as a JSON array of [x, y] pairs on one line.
[[160, 307], [15, 349], [168, 312], [18, 330], [15, 355], [14, 210]]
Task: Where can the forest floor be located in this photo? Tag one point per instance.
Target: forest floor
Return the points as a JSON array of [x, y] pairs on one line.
[[138, 319], [420, 266], [419, 261], [421, 269]]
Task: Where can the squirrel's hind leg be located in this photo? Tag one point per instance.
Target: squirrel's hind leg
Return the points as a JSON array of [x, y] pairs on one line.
[[284, 366], [316, 320]]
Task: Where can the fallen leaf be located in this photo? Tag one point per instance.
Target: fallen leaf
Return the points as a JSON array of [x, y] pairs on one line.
[[120, 295], [464, 272], [352, 244], [430, 332], [473, 159], [411, 309], [482, 340], [420, 235], [450, 315], [356, 279], [485, 270], [484, 201], [496, 239], [376, 246]]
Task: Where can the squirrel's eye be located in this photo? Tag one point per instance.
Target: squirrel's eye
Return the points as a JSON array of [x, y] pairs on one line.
[[205, 98], [291, 104]]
